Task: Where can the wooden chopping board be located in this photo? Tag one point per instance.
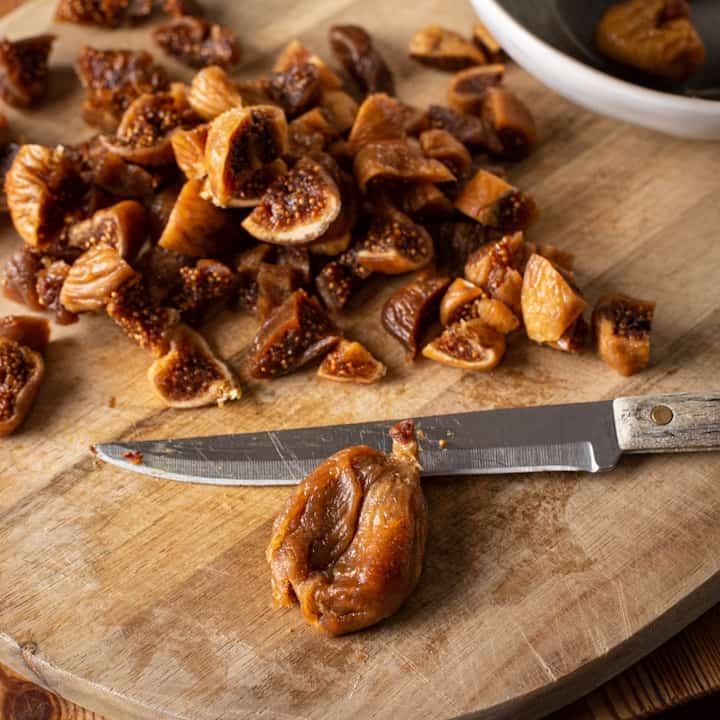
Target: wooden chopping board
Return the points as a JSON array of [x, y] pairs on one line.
[[142, 599]]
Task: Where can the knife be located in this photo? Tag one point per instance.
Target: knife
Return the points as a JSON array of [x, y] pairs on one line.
[[587, 437]]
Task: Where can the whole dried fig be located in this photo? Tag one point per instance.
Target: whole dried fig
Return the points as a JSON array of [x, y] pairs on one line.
[[24, 69], [351, 362], [354, 48], [21, 373], [444, 49], [469, 345]]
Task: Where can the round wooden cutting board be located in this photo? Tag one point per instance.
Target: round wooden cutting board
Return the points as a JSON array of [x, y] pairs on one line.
[[139, 598]]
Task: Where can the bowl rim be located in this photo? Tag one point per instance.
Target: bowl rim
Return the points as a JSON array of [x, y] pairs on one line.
[[622, 88]]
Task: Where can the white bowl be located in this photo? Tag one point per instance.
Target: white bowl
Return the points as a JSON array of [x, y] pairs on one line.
[[688, 117]]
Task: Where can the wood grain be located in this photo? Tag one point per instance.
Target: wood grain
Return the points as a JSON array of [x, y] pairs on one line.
[[149, 599]]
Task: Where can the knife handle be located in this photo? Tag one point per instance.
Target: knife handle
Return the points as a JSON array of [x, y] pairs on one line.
[[687, 422]]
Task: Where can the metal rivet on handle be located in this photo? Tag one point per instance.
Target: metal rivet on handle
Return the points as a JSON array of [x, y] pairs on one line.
[[661, 415]]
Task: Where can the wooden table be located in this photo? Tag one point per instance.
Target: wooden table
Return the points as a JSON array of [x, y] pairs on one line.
[[685, 668]]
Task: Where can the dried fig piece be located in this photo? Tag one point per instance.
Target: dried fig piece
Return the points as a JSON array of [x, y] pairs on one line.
[[102, 13], [146, 323], [122, 227], [49, 283], [28, 330], [189, 150], [297, 332], [295, 53], [397, 160], [469, 130], [456, 241], [160, 270], [239, 142], [297, 258], [337, 238], [93, 277], [20, 283], [491, 201], [351, 362], [622, 326], [445, 147], [469, 345], [247, 267], [574, 338], [180, 8], [275, 283], [310, 133], [212, 93], [122, 179], [349, 545], [24, 69], [341, 108], [43, 188], [467, 89], [296, 89], [249, 192], [380, 117], [21, 373], [354, 49], [460, 295], [550, 301], [485, 40], [444, 49], [208, 285], [655, 36], [196, 227], [160, 208], [112, 80], [511, 121], [190, 375], [297, 207], [7, 156], [424, 201], [335, 284], [493, 313], [197, 43], [394, 244], [410, 309]]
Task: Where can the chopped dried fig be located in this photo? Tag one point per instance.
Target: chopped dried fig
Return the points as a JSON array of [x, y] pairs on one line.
[[444, 49], [349, 545], [456, 241], [297, 258], [20, 283], [397, 160], [550, 301], [460, 295], [574, 338], [424, 201], [295, 53], [190, 375], [335, 284], [298, 207], [467, 89], [342, 108], [189, 150], [198, 43], [196, 227], [622, 326], [275, 283], [491, 201], [28, 330], [394, 244], [249, 192], [655, 36], [469, 345], [380, 117], [102, 13], [445, 147], [296, 89], [297, 332], [160, 270], [337, 238], [122, 179], [247, 267], [49, 284], [146, 323], [93, 277], [21, 373], [24, 69], [409, 310], [160, 208], [180, 8], [43, 188], [310, 133], [122, 226], [212, 93], [485, 40], [240, 142], [112, 80], [206, 286], [511, 121], [351, 362], [7, 156], [468, 129], [494, 313], [354, 49]]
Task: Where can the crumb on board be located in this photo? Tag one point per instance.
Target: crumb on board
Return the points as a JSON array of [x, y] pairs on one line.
[[134, 457], [112, 402], [442, 443]]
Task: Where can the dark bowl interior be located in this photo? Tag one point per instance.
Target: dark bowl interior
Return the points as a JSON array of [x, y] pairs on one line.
[[568, 25]]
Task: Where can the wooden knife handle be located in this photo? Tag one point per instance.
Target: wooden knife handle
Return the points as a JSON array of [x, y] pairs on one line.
[[687, 422]]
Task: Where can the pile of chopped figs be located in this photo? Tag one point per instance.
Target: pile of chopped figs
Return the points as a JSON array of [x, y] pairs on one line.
[[282, 198]]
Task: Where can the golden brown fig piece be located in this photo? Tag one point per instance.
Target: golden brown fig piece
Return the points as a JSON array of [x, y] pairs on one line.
[[28, 330], [295, 53], [190, 375], [275, 284], [196, 227], [467, 88], [336, 284], [249, 192], [20, 277], [122, 179], [466, 301], [485, 40], [550, 301], [574, 338], [240, 142], [43, 188], [197, 43], [444, 49], [461, 294], [349, 545], [511, 121], [655, 36], [491, 201], [92, 279], [394, 244], [469, 345], [204, 287], [341, 107], [122, 226], [468, 129], [49, 285], [297, 332], [380, 117], [397, 160], [112, 80], [212, 93], [354, 48], [441, 145], [24, 69], [296, 89], [189, 150], [410, 309], [298, 207], [424, 202], [21, 373], [622, 326], [351, 362], [337, 238]]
